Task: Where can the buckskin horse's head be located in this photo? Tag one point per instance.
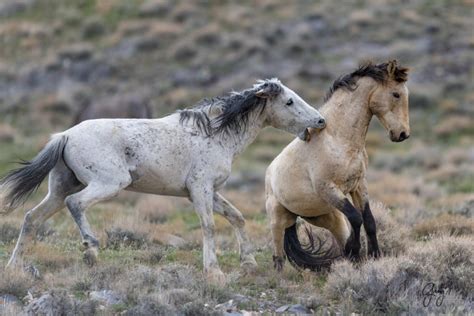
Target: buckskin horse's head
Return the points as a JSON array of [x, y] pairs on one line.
[[389, 101]]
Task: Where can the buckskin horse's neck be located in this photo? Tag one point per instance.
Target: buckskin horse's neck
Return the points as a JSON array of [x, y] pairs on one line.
[[348, 114]]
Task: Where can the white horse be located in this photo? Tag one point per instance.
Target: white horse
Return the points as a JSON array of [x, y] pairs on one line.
[[188, 153]]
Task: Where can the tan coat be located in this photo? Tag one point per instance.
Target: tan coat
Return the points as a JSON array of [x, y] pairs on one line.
[[313, 179]]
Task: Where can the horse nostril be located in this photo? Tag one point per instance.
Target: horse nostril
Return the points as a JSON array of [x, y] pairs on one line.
[[321, 121], [403, 136]]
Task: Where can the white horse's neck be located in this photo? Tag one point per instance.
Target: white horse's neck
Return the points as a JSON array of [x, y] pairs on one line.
[[348, 114], [236, 143]]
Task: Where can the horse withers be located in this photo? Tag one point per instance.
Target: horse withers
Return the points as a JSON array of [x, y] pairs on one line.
[[188, 153], [324, 181]]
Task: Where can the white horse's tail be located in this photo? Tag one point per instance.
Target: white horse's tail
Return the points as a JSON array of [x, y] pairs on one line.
[[20, 183]]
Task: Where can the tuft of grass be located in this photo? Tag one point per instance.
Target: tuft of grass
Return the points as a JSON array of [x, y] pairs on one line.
[[15, 282], [396, 285]]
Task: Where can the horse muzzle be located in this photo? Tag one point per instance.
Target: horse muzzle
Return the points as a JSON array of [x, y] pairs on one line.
[[399, 138], [304, 135]]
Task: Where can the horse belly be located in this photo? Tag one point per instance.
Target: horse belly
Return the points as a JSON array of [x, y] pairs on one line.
[[164, 181]]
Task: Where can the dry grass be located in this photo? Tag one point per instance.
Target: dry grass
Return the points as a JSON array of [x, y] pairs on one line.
[[445, 224], [400, 284], [15, 282], [393, 237], [151, 247]]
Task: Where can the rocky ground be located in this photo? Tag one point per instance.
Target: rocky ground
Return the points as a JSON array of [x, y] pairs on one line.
[[61, 59]]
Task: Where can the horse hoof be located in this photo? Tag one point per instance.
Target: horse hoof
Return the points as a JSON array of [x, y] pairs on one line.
[[248, 264], [216, 277], [374, 254], [90, 256], [31, 269], [278, 263]]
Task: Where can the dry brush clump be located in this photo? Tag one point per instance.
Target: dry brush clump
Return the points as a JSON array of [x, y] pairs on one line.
[[444, 224], [392, 237], [174, 288], [15, 282], [432, 277]]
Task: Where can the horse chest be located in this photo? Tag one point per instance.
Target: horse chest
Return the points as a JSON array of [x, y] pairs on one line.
[[347, 172]]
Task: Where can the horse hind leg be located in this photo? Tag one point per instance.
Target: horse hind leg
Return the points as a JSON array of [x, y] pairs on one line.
[[78, 203], [61, 183], [336, 223], [235, 218]]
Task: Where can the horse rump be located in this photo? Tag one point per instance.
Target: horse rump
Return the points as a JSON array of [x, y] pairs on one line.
[[313, 255], [19, 184]]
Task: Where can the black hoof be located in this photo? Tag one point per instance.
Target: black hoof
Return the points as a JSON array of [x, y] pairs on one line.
[[278, 263]]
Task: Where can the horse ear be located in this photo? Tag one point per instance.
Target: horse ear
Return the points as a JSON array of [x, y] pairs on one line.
[[262, 94], [268, 90], [392, 68]]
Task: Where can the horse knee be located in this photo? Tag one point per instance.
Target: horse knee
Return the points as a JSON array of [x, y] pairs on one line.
[[28, 226], [239, 220], [74, 206]]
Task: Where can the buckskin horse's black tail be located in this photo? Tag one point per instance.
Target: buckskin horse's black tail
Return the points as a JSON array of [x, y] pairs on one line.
[[19, 183], [311, 256]]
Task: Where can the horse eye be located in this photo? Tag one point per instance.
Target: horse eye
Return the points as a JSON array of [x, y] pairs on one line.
[[289, 102], [396, 95]]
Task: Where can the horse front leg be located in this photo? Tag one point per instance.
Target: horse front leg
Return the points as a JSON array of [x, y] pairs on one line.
[[361, 201], [280, 219], [236, 219], [202, 197], [340, 201]]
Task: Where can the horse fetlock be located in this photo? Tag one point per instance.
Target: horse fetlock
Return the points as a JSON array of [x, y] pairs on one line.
[[278, 263], [90, 242], [90, 256]]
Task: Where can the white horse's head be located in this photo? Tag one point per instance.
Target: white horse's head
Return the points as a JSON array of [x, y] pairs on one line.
[[288, 111]]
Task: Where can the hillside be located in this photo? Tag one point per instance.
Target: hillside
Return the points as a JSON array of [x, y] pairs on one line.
[[59, 58]]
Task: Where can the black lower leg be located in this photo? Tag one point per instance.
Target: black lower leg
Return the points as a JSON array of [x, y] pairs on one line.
[[371, 230], [352, 248]]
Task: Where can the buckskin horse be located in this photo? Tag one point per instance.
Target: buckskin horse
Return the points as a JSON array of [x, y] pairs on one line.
[[314, 180]]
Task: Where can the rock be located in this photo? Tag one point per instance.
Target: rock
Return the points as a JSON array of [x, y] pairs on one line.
[[12, 7], [51, 304], [93, 27], [298, 309], [106, 297], [282, 309], [60, 303], [229, 307], [8, 299], [171, 240], [293, 309], [76, 52], [154, 8]]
